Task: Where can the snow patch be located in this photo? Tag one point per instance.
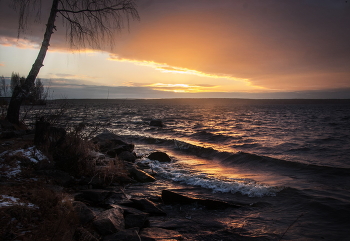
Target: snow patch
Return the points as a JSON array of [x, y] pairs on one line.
[[8, 201], [33, 154]]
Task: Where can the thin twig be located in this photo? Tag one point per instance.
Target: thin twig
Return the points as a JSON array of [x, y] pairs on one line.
[[291, 226]]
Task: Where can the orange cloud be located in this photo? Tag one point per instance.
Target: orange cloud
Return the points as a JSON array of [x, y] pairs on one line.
[[188, 88], [163, 67], [18, 42], [285, 46]]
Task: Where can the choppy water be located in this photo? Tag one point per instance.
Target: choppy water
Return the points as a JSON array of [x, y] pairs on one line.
[[288, 159]]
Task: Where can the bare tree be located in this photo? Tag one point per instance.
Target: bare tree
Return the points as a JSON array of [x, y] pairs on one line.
[[3, 86], [90, 22], [16, 80]]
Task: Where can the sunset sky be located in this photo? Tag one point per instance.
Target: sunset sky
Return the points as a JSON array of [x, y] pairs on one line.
[[189, 48]]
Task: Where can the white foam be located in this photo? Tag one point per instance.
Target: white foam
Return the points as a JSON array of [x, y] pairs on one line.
[[178, 173]]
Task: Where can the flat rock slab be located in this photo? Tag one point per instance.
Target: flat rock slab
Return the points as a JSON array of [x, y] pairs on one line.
[[160, 234], [171, 223], [148, 207], [170, 197], [100, 196], [159, 156], [140, 175], [124, 235]]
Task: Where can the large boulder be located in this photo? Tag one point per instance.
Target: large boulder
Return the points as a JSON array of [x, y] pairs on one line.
[[84, 213], [157, 123], [154, 234], [109, 221], [127, 156], [119, 149], [135, 218], [159, 156], [112, 143]]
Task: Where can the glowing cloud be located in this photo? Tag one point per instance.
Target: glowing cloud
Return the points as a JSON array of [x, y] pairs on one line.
[[165, 68], [184, 88], [18, 42]]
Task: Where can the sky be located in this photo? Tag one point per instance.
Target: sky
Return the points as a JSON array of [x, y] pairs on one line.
[[195, 49]]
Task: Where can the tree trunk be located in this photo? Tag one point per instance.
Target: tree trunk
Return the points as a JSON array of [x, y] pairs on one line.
[[21, 92]]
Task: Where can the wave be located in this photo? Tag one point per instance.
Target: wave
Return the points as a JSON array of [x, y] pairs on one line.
[[179, 173], [243, 158], [211, 137]]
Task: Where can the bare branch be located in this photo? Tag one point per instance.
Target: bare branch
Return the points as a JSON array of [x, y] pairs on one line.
[[24, 10], [93, 22]]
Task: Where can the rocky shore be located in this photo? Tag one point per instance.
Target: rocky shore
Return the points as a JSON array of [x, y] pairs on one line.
[[98, 207]]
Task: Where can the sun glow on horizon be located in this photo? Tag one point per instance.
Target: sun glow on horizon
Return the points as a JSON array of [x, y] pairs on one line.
[[238, 84], [102, 68]]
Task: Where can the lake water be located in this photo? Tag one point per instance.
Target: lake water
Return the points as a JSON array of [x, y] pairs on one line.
[[287, 161]]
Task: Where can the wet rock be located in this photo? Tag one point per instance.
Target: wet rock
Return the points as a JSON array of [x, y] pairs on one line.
[[173, 224], [154, 234], [135, 218], [100, 197], [124, 235], [81, 234], [117, 150], [108, 141], [109, 221], [142, 166], [159, 156], [140, 175], [127, 156], [158, 123], [170, 197], [148, 207], [84, 213]]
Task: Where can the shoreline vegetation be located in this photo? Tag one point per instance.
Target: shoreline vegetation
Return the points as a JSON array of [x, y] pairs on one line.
[[58, 185]]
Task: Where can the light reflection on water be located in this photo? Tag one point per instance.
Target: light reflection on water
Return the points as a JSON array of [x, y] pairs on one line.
[[309, 141]]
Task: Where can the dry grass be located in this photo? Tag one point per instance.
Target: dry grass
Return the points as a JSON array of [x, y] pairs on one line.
[[113, 172], [41, 214], [73, 156]]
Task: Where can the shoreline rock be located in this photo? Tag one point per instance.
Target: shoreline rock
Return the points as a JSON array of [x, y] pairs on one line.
[[109, 213]]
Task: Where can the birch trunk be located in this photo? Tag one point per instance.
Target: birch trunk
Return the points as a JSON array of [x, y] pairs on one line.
[[21, 92]]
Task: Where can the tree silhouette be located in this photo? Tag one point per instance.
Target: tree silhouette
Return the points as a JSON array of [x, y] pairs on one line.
[[87, 22]]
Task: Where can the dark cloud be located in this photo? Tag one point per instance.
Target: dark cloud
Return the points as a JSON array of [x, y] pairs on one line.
[[280, 45]]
